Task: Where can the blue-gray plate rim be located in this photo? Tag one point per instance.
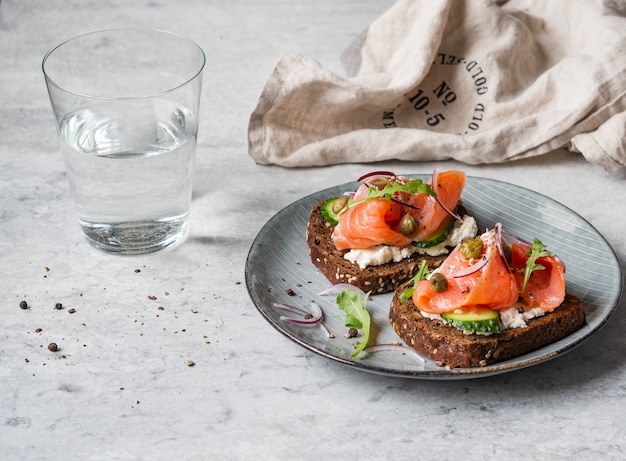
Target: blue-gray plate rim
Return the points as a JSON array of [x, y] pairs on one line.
[[278, 269]]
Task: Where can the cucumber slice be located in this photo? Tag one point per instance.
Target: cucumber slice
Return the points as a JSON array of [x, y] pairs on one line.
[[439, 236], [477, 320], [332, 207]]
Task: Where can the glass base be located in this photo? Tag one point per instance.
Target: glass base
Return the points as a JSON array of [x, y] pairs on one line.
[[134, 238]]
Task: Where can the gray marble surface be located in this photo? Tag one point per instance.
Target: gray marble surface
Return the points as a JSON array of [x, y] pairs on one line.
[[119, 388]]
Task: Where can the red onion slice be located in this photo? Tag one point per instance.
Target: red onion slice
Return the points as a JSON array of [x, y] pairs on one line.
[[561, 263], [383, 174], [316, 315], [287, 307], [394, 347], [434, 185], [339, 287], [377, 179], [498, 230], [516, 237], [316, 319], [482, 262]]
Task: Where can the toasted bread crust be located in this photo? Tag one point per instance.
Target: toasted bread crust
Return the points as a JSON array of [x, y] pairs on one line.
[[446, 345], [330, 261]]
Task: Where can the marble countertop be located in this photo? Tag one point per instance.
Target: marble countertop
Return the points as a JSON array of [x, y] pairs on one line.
[[120, 386]]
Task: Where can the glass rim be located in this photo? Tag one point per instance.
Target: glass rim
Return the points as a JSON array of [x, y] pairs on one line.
[[52, 81]]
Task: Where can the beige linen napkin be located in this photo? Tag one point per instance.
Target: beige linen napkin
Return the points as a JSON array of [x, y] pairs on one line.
[[478, 81]]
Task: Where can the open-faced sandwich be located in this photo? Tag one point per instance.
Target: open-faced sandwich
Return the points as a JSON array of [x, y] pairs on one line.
[[487, 302], [376, 237]]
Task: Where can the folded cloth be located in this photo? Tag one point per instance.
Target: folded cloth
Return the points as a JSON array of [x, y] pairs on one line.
[[479, 81]]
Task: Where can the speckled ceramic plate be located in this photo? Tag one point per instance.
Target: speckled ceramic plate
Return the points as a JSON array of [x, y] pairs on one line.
[[278, 262]]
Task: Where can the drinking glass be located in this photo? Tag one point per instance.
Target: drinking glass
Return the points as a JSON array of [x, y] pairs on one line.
[[126, 104]]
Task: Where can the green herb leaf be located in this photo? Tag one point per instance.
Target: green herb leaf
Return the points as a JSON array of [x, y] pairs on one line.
[[357, 315], [536, 251], [413, 186], [422, 273]]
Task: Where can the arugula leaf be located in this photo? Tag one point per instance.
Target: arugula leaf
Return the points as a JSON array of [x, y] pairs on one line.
[[413, 186], [357, 315], [422, 273], [536, 251]]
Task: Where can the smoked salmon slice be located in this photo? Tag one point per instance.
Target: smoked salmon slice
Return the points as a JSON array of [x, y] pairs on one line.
[[546, 287], [375, 221], [449, 187], [492, 286], [370, 223], [495, 284]]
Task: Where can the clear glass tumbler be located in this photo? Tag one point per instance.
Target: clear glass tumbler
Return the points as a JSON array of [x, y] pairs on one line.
[[126, 103]]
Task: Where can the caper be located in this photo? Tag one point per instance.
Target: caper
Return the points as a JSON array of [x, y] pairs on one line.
[[407, 225], [472, 248], [439, 282], [339, 204]]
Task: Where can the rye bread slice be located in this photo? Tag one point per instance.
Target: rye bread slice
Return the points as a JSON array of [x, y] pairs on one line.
[[330, 261], [446, 345]]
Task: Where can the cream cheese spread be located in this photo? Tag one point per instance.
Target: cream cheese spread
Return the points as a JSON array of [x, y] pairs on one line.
[[512, 318], [382, 254]]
